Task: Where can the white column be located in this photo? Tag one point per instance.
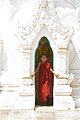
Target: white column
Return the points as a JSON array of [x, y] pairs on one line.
[[1, 54], [26, 62], [63, 99], [26, 89], [62, 53]]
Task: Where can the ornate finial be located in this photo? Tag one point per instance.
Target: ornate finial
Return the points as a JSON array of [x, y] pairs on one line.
[[44, 4]]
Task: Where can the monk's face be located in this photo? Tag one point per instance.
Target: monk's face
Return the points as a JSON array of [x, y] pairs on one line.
[[43, 58]]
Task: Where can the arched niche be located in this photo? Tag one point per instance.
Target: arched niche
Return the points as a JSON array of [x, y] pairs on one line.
[[43, 48]]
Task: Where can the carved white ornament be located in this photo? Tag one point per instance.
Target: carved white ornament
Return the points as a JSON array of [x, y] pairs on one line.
[[70, 78], [45, 14]]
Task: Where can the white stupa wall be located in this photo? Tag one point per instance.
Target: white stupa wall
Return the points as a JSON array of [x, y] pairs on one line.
[[20, 53]]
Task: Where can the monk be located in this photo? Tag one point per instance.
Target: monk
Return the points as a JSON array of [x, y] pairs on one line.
[[45, 81]]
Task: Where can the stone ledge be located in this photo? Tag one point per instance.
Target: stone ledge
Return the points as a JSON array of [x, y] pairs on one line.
[[63, 90], [44, 108]]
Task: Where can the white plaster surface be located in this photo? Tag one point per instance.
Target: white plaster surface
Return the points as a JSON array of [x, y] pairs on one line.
[[20, 34]]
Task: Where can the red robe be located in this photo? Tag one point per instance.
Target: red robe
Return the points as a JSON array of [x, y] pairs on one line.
[[45, 83]]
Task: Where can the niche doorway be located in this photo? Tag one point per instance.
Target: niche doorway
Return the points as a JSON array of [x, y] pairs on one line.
[[43, 48]]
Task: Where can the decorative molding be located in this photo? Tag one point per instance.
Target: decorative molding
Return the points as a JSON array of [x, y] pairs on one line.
[[70, 78], [45, 14], [74, 3]]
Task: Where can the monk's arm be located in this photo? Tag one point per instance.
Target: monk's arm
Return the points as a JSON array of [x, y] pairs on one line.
[[57, 75], [36, 70]]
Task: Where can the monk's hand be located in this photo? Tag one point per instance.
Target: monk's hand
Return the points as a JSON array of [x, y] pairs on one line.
[[57, 75], [31, 75]]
